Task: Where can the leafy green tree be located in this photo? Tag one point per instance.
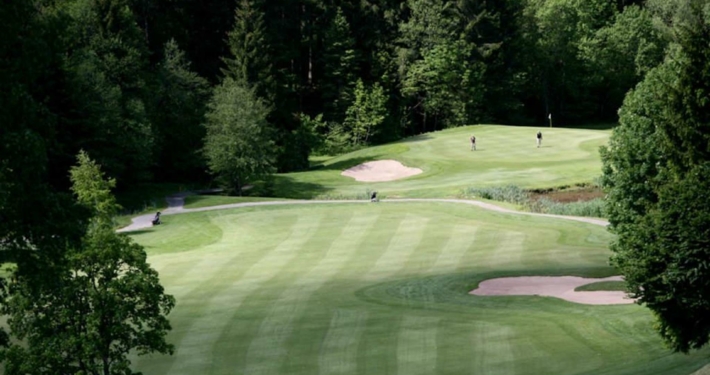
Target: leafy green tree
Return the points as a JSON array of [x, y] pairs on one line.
[[106, 302], [448, 86], [367, 113], [238, 145], [178, 110], [106, 68], [438, 69], [656, 172], [312, 130], [553, 30], [34, 210], [620, 54]]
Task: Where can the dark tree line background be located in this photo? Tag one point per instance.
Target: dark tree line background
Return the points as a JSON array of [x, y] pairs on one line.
[[128, 81]]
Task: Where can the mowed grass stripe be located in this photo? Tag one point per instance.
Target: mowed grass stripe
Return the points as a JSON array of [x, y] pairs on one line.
[[401, 246], [267, 351], [191, 298], [416, 348], [460, 241], [216, 259], [492, 352], [509, 251], [338, 355], [355, 324], [194, 354]]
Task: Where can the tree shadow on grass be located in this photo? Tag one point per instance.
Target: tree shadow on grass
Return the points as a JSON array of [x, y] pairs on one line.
[[348, 163], [416, 138], [603, 126], [284, 186], [139, 232]]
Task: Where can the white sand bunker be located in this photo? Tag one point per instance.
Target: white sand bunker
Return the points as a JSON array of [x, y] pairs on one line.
[[559, 287], [380, 170]]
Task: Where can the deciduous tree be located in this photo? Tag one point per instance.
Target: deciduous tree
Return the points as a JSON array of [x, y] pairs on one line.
[[367, 113], [104, 303], [238, 146], [656, 172]]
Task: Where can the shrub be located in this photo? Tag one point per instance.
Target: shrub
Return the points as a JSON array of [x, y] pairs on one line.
[[509, 193], [592, 208], [355, 196], [516, 195]]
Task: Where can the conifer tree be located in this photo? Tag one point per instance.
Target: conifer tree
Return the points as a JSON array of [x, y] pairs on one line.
[[249, 52]]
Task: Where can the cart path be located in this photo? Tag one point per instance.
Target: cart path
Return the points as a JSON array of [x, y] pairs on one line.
[[176, 206]]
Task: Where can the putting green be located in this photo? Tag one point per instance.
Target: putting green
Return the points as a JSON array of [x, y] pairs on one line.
[[382, 289], [505, 155]]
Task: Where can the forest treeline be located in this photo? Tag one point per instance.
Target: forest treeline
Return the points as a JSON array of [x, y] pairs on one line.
[[145, 86]]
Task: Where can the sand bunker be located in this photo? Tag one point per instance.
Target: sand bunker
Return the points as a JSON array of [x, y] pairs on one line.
[[380, 170], [559, 287]]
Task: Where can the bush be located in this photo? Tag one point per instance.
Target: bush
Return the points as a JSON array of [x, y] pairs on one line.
[[349, 197], [516, 195], [509, 193], [592, 208]]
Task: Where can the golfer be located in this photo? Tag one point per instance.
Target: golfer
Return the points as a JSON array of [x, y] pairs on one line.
[[473, 143], [539, 138]]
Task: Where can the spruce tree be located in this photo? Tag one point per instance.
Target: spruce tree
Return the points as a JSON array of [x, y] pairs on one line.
[[249, 52], [340, 64]]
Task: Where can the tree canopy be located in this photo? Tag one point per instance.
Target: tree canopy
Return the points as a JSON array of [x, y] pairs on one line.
[[101, 303], [656, 171], [238, 145]]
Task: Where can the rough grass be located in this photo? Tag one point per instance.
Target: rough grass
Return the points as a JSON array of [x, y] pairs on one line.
[[510, 193], [603, 285], [592, 208], [506, 155], [382, 289], [526, 201]]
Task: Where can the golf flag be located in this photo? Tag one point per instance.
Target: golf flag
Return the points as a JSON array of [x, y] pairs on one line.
[[549, 116]]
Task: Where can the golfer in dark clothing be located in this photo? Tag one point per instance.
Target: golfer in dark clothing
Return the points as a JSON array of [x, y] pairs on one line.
[[156, 219], [539, 138], [473, 143]]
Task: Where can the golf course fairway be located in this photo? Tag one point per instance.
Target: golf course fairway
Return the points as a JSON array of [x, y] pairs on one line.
[[505, 155], [382, 288]]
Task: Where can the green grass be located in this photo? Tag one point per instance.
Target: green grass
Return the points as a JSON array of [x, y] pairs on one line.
[[198, 201], [603, 285], [506, 155], [383, 289]]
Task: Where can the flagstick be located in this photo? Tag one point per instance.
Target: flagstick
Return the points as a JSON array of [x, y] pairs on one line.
[[550, 117]]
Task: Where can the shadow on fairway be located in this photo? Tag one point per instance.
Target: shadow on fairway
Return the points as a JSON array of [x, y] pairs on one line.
[[286, 187], [588, 126], [596, 126], [347, 163], [416, 138], [138, 232]]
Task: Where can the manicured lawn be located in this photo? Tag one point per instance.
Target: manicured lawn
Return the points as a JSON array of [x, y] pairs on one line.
[[382, 289], [197, 201], [505, 155], [603, 285]]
